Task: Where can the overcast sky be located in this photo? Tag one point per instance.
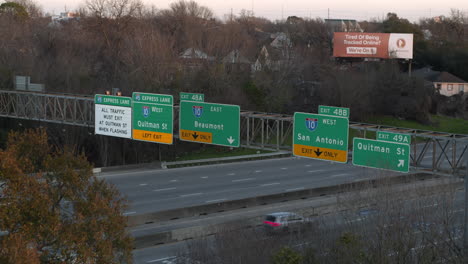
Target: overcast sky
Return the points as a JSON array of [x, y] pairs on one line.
[[278, 9]]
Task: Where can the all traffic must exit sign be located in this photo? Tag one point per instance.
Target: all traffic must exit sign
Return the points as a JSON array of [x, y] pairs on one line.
[[321, 137], [153, 117], [381, 154], [216, 124], [113, 116]]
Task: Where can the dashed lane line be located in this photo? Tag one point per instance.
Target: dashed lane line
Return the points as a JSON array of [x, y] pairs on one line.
[[242, 180], [190, 194], [270, 184], [165, 189]]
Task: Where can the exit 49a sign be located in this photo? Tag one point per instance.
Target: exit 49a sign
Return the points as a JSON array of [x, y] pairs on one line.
[[216, 124], [321, 137], [381, 154]]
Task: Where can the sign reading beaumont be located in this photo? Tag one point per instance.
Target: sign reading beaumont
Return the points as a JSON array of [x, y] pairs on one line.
[[381, 154], [152, 117], [113, 116], [216, 124], [321, 137]]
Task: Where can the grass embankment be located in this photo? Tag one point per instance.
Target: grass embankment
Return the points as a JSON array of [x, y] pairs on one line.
[[210, 152], [440, 123]]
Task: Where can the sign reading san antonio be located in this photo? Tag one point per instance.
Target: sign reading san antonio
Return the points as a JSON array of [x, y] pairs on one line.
[[321, 137]]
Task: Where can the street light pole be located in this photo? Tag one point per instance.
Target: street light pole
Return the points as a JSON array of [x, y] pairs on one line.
[[465, 224]]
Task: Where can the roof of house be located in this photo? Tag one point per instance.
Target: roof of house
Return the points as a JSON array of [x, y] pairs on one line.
[[437, 76], [449, 78], [192, 53], [235, 57]]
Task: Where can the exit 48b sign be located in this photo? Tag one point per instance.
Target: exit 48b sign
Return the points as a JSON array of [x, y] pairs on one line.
[[321, 137]]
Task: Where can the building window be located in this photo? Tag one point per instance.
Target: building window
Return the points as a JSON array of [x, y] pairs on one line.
[[461, 88], [449, 87], [439, 86]]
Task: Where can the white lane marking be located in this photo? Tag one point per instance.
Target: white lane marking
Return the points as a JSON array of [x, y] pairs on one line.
[[165, 189], [204, 177], [174, 180], [341, 174], [143, 184], [284, 168], [308, 165], [430, 205], [295, 189], [129, 213], [241, 180], [161, 259], [270, 184], [428, 157], [257, 171], [315, 170], [191, 194], [215, 201], [231, 174]]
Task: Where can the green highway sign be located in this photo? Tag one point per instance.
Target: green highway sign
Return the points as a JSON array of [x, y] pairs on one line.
[[216, 124], [393, 137], [195, 97], [153, 117], [113, 116], [333, 111], [381, 154], [321, 137]]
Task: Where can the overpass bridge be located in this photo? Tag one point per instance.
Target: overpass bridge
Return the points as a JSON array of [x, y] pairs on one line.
[[432, 152]]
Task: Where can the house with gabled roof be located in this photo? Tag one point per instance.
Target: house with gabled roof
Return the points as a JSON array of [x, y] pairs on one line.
[[195, 54], [343, 25], [277, 53], [236, 61], [444, 82]]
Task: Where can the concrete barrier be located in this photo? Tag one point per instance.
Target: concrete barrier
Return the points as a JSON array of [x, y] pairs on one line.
[[173, 164]]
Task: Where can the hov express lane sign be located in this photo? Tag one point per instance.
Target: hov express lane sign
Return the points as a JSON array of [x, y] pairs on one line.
[[320, 137], [152, 117]]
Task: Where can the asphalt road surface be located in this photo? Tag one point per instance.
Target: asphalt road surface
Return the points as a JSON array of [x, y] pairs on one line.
[[158, 190]]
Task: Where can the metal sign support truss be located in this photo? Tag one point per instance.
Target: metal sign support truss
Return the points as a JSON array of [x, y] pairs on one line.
[[432, 152]]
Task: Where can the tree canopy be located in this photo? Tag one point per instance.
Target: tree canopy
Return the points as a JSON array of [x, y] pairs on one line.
[[54, 209], [14, 9]]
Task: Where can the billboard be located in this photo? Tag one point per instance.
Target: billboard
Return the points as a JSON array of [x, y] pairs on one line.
[[373, 45]]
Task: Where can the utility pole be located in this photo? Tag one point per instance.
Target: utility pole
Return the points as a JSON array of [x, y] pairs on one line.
[[282, 9], [465, 223], [252, 7], [328, 13]]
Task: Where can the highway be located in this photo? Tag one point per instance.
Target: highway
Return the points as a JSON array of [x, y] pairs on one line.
[[171, 253], [158, 190]]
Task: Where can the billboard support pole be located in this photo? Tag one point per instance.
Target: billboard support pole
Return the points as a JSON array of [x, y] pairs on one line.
[[409, 67]]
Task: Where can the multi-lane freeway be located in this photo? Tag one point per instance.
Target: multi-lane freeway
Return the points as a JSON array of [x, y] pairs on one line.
[[158, 190], [150, 190]]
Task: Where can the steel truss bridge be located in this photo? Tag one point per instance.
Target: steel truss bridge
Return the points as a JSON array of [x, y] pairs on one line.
[[432, 152]]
